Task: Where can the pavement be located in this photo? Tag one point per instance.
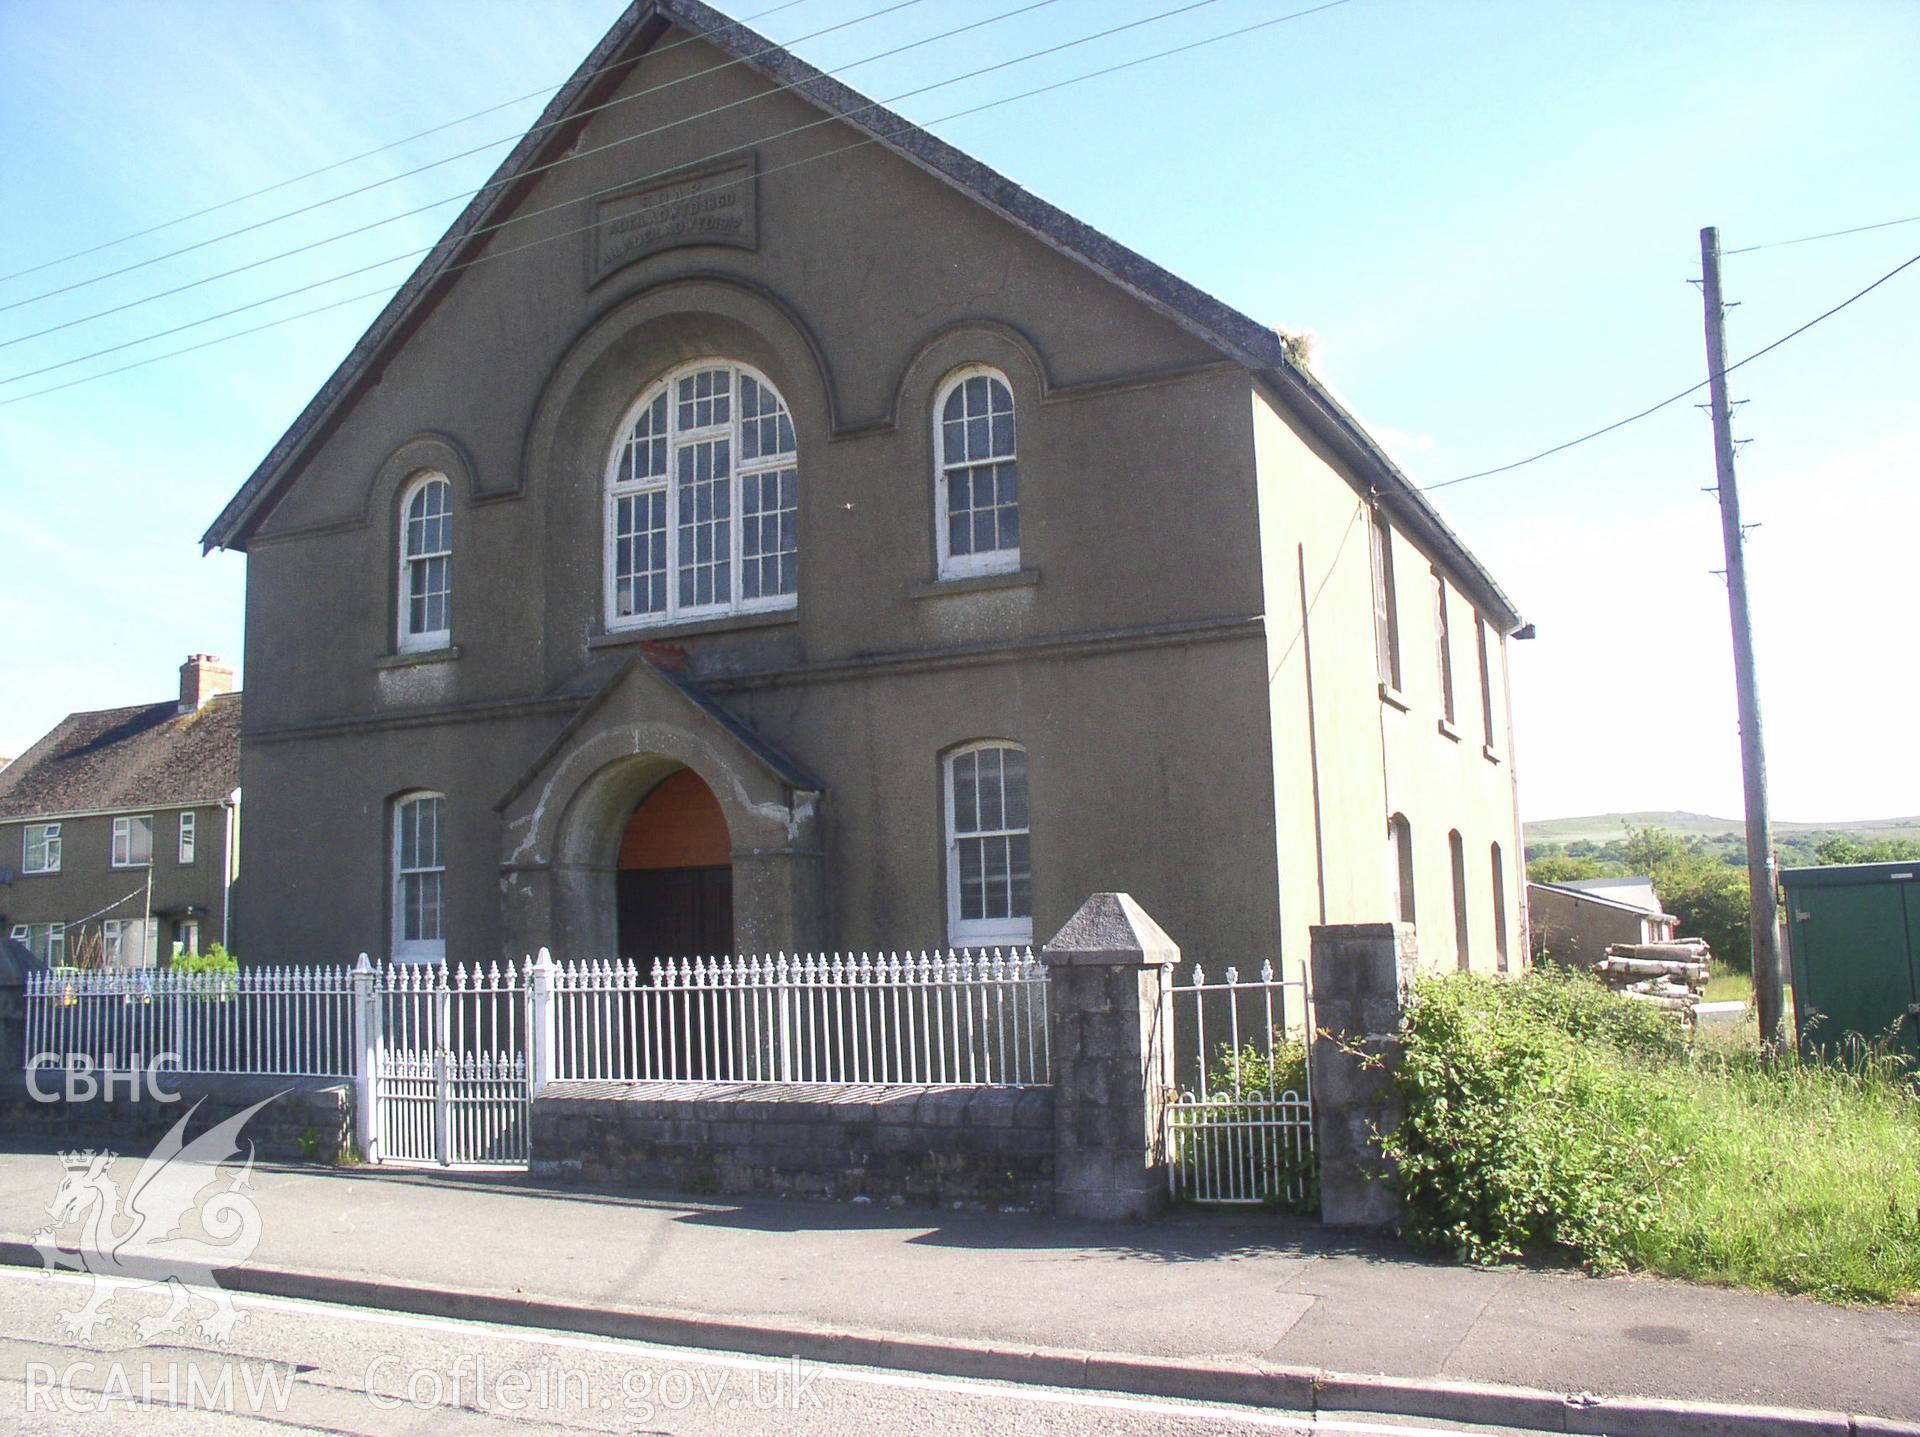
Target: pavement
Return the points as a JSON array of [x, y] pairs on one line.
[[1246, 1307]]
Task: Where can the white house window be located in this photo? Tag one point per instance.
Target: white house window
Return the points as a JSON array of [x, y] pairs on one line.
[[46, 941], [41, 848], [1486, 683], [133, 841], [979, 479], [703, 498], [187, 835], [186, 937], [989, 862], [129, 942], [419, 878], [1499, 908], [426, 563]]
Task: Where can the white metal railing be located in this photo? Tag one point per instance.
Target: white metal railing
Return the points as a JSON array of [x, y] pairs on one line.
[[280, 1022], [936, 1018], [1239, 1125]]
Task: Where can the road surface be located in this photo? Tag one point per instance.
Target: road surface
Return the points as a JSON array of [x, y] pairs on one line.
[[292, 1366]]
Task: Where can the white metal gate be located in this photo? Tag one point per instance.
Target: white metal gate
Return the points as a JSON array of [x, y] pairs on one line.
[[1239, 1124], [451, 1081]]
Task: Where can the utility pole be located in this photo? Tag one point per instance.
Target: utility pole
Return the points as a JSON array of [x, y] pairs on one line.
[[1764, 911]]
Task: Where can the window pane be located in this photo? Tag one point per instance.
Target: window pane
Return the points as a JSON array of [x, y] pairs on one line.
[[1014, 767], [972, 892], [966, 807], [994, 856], [991, 807], [142, 840], [1020, 878]]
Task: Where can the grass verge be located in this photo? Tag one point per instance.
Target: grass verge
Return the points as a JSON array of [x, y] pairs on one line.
[[1548, 1117]]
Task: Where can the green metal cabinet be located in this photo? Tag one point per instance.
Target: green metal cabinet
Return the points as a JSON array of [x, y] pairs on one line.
[[1854, 933]]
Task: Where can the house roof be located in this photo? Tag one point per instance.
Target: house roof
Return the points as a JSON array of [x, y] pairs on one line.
[[1258, 347], [1594, 890], [146, 756]]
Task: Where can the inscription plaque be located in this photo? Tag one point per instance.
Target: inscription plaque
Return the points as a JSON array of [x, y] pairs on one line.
[[713, 206]]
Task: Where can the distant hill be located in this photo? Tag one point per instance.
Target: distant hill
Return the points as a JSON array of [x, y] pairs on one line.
[[1607, 827]]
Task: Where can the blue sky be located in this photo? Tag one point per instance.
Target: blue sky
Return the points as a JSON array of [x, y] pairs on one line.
[[1486, 214]]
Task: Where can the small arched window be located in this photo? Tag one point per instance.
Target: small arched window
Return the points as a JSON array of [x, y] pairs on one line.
[[1499, 908], [702, 500], [1457, 850], [989, 854], [419, 878], [426, 563], [1400, 866], [978, 498]]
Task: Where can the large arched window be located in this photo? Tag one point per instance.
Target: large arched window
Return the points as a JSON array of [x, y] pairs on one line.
[[419, 878], [989, 855], [978, 499], [426, 563], [702, 500]]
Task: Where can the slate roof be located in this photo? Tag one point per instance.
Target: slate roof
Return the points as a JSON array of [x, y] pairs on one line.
[[1236, 335], [146, 756]]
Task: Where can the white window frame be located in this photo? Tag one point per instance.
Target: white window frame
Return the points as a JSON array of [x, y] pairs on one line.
[[413, 640], [113, 941], [739, 471], [121, 854], [416, 950], [188, 943], [55, 936], [189, 836], [1016, 930], [991, 561], [49, 835]]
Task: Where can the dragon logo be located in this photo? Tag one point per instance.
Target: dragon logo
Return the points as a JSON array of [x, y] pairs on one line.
[[138, 1240]]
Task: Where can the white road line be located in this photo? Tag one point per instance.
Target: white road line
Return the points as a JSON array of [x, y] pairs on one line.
[[634, 1347]]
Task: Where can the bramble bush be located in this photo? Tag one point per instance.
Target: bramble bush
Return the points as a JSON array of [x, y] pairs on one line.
[[1548, 1117]]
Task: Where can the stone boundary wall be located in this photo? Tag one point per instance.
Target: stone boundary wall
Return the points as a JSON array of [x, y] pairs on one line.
[[972, 1147], [316, 1110]]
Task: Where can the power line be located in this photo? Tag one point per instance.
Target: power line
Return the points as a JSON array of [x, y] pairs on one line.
[[1830, 234], [625, 183], [555, 164], [454, 158], [1673, 398], [355, 159], [492, 255]]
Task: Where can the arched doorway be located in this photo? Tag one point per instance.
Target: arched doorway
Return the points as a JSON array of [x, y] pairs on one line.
[[675, 889]]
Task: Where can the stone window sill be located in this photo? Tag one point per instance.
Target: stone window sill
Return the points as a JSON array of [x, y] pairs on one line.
[[1393, 698], [976, 584], [719, 624], [409, 658], [1487, 752], [1447, 730]]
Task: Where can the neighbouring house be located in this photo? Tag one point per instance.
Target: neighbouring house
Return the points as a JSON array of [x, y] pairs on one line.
[[120, 830], [759, 526], [1573, 922]]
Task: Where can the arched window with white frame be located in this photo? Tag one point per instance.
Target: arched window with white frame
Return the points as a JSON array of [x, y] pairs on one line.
[[989, 845], [426, 564], [702, 509], [420, 878], [978, 483]]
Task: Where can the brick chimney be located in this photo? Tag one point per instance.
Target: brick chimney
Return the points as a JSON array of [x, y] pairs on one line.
[[201, 677]]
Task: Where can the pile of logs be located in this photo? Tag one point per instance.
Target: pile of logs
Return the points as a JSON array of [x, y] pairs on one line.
[[1671, 976]]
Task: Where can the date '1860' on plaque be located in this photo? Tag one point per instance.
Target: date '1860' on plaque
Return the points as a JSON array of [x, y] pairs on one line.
[[710, 207]]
